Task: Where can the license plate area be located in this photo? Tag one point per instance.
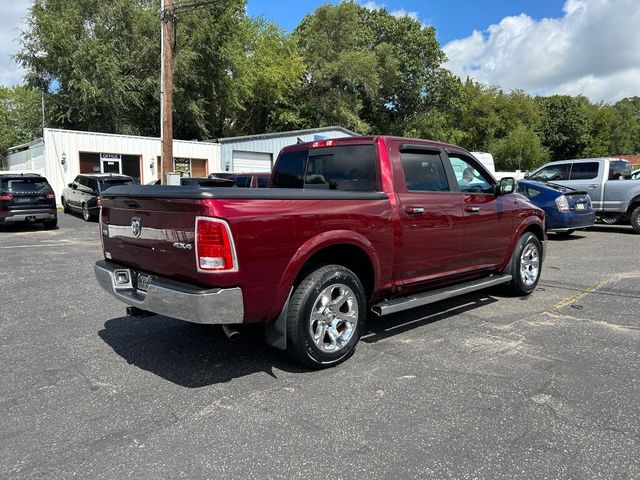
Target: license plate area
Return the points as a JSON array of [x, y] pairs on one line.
[[141, 281], [580, 206]]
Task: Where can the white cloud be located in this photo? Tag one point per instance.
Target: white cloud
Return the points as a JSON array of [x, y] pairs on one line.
[[400, 12], [12, 14], [594, 50]]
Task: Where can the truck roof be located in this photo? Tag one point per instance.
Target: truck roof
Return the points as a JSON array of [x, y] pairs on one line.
[[363, 140], [589, 159]]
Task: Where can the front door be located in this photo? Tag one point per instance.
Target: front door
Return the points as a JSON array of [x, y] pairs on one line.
[[488, 218], [110, 163], [431, 222]]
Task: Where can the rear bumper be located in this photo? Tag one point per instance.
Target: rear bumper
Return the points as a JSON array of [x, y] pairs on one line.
[[173, 299], [36, 215]]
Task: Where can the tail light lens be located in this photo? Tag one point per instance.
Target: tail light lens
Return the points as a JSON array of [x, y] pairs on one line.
[[323, 143], [6, 197], [99, 201], [562, 203], [50, 196], [215, 251]]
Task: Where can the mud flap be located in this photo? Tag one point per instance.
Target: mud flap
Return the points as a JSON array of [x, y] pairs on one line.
[[275, 333]]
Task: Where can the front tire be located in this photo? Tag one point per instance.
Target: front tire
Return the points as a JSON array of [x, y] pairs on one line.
[[635, 219], [326, 315], [65, 206], [525, 265]]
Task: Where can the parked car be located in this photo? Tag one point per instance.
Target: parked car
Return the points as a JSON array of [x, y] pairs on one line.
[[615, 197], [566, 209], [348, 225], [207, 181], [246, 180], [26, 198], [84, 194]]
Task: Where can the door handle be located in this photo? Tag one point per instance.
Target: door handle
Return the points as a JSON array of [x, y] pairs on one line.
[[472, 209], [415, 210], [593, 185]]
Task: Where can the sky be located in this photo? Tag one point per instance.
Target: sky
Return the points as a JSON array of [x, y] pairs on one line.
[[588, 47]]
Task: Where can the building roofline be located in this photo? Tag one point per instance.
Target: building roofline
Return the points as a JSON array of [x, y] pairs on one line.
[[84, 132], [289, 133], [24, 146]]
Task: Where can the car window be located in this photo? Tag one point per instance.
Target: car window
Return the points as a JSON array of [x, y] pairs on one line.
[[84, 181], [243, 181], [552, 172], [424, 171], [619, 169], [289, 169], [584, 170], [23, 185], [347, 168], [263, 182], [112, 182], [468, 177], [529, 191]]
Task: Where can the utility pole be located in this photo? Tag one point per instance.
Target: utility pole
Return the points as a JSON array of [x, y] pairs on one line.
[[167, 15], [42, 105]]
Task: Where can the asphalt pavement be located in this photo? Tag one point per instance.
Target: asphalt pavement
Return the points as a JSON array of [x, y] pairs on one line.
[[482, 386]]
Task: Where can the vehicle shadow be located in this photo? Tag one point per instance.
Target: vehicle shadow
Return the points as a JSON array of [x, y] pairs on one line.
[[627, 229], [21, 227], [190, 354], [565, 238], [379, 328]]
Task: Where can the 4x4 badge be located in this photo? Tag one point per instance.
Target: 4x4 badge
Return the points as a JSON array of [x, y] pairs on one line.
[[136, 227]]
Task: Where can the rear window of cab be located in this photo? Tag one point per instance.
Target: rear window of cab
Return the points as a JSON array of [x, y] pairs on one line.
[[343, 168], [28, 184]]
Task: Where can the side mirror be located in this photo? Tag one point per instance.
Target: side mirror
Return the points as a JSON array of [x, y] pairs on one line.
[[70, 185], [507, 185]]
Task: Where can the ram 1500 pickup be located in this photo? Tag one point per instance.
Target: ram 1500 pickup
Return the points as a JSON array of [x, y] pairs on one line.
[[614, 195], [348, 226]]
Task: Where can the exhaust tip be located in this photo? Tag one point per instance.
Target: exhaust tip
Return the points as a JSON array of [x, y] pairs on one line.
[[231, 333]]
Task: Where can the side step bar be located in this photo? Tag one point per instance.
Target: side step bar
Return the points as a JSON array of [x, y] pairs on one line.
[[418, 300]]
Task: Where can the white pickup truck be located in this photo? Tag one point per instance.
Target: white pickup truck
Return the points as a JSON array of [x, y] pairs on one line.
[[614, 195]]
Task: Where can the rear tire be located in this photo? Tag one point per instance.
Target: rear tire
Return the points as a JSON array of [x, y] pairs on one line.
[[65, 206], [86, 214], [635, 219], [51, 224], [525, 265], [326, 316]]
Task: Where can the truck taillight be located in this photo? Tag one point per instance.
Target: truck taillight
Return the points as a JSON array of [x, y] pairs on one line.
[[562, 203], [215, 251], [323, 143], [99, 201], [6, 197]]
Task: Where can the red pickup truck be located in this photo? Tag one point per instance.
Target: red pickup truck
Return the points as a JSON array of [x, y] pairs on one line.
[[348, 226]]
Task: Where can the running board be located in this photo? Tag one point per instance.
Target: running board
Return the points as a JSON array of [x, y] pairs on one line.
[[432, 296]]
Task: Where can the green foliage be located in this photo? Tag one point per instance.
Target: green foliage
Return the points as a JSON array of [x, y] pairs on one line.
[[521, 149], [20, 117], [625, 127], [564, 127]]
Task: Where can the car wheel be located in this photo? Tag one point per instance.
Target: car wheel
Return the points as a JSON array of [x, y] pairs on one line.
[[65, 206], [86, 214], [635, 219], [51, 224], [525, 265], [325, 318]]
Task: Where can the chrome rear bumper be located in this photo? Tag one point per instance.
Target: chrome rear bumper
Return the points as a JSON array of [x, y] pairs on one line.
[[173, 299]]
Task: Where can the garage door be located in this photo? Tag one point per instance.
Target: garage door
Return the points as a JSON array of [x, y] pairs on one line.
[[251, 161]]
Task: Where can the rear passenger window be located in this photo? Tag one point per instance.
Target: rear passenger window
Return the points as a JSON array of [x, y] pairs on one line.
[[289, 169], [528, 191], [584, 171], [346, 168], [552, 172], [424, 171], [619, 169], [243, 181]]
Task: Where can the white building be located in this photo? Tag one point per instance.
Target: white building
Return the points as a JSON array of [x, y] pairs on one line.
[[63, 154]]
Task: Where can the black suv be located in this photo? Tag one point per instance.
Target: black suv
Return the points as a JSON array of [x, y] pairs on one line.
[[27, 197], [83, 194]]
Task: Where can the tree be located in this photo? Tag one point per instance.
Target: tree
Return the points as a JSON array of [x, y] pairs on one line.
[[20, 119], [366, 69], [521, 149], [625, 127], [564, 127]]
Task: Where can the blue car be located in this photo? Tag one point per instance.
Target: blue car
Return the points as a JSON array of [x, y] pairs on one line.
[[565, 209]]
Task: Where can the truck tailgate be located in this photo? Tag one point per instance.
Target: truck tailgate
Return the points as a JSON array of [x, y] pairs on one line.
[[155, 235]]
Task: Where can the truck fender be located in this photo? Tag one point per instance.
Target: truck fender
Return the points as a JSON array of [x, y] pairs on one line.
[[315, 245], [524, 225]]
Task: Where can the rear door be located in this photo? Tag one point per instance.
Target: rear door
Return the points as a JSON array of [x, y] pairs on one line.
[[431, 214], [488, 218], [587, 176]]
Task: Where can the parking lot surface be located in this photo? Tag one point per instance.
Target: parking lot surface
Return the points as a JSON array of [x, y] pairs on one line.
[[482, 386]]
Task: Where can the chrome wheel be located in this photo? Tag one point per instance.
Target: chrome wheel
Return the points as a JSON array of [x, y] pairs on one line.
[[334, 317], [529, 264]]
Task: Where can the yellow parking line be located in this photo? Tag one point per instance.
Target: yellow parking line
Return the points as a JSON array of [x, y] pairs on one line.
[[581, 294]]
